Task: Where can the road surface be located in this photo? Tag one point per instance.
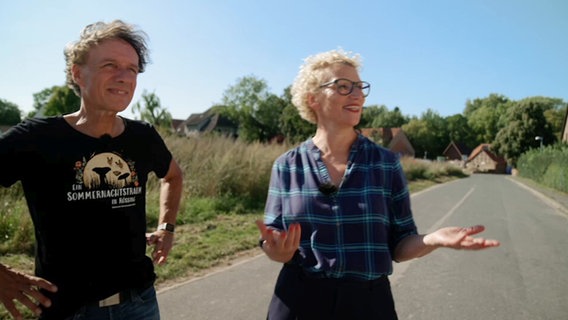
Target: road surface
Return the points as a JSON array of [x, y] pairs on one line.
[[525, 278]]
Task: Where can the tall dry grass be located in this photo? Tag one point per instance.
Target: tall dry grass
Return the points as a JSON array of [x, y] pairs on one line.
[[225, 186]]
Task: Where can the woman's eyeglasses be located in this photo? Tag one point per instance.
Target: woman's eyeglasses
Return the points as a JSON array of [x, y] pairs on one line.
[[345, 86]]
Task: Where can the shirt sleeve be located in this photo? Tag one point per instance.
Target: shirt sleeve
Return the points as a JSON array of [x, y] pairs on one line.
[[15, 153], [273, 207], [164, 156], [161, 154], [402, 222]]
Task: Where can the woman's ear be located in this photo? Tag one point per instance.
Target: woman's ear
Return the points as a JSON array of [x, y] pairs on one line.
[[313, 101]]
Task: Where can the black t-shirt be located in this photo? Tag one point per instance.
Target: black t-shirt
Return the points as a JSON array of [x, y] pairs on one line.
[[86, 197]]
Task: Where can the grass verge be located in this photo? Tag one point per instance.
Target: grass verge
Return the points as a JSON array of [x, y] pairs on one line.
[[200, 247]]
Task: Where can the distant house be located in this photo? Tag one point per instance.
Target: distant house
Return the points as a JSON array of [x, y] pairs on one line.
[[393, 139], [456, 151], [207, 122], [176, 124], [482, 159], [564, 137]]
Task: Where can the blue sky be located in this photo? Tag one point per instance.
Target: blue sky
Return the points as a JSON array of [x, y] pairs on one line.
[[417, 54]]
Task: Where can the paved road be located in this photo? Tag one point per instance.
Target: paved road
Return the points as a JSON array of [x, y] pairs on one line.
[[525, 278]]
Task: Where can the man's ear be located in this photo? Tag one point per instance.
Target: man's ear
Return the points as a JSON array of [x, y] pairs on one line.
[[76, 74]]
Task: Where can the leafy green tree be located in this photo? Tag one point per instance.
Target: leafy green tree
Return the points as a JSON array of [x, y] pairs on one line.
[[262, 122], [419, 136], [257, 111], [526, 121], [428, 135], [554, 111], [292, 126], [63, 100], [484, 123], [439, 131], [483, 116], [370, 113], [459, 131], [494, 101], [381, 117], [53, 101], [151, 111], [40, 100], [244, 96], [10, 114], [391, 119]]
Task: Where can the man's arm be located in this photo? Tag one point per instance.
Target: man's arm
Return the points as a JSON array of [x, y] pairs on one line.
[[170, 197]]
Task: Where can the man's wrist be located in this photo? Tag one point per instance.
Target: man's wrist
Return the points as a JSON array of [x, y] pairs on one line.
[[167, 227]]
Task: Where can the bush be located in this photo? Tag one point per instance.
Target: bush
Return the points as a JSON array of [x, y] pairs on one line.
[[546, 166], [16, 229], [418, 169]]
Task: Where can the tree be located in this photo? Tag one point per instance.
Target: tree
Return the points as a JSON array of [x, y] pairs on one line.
[[369, 115], [419, 136], [494, 101], [63, 100], [438, 137], [484, 124], [526, 121], [391, 119], [267, 116], [256, 111], [381, 117], [54, 101], [428, 134], [554, 112], [483, 116], [40, 100], [10, 114], [292, 126], [152, 111], [459, 130]]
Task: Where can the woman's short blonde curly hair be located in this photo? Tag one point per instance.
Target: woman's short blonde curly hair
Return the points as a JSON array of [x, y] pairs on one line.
[[310, 76]]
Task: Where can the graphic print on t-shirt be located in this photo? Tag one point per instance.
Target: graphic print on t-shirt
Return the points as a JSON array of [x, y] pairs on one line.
[[105, 176], [106, 170]]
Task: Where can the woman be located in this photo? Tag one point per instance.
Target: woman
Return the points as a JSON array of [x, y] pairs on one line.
[[338, 209]]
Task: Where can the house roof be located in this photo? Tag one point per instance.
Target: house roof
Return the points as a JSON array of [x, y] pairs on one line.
[[207, 121], [393, 138], [176, 123], [485, 148], [387, 134], [460, 147]]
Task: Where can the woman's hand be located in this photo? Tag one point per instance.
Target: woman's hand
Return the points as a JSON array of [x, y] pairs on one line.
[[459, 238], [280, 245]]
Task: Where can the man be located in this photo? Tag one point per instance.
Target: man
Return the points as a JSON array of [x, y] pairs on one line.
[[84, 177]]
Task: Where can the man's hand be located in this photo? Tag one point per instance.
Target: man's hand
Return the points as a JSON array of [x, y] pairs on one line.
[[18, 286], [162, 241]]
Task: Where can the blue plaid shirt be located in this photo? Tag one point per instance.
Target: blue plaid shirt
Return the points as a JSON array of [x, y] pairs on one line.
[[351, 233]]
